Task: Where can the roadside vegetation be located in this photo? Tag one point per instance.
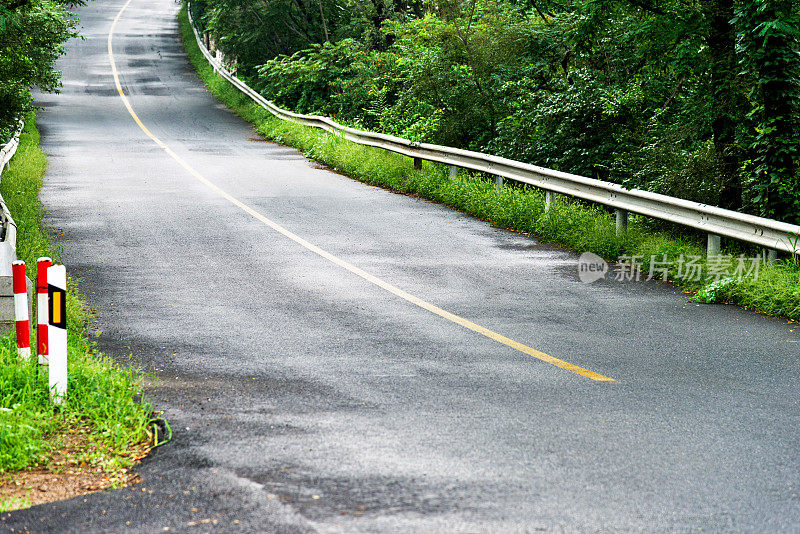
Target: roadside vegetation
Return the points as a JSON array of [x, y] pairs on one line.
[[104, 426], [103, 406], [698, 99], [574, 224], [32, 33]]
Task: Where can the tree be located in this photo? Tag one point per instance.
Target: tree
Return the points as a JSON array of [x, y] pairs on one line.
[[32, 33], [252, 32], [770, 54], [726, 98]]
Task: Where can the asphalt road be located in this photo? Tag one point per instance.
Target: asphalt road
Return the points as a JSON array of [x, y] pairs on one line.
[[306, 399]]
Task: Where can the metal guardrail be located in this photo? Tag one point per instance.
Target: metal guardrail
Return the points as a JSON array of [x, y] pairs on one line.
[[8, 150], [8, 228], [768, 233]]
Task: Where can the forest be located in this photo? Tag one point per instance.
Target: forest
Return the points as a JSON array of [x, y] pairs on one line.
[[694, 99]]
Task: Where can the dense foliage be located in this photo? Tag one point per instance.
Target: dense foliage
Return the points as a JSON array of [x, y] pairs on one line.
[[694, 98], [581, 227], [31, 37]]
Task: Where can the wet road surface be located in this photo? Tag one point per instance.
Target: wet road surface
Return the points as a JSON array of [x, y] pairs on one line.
[[306, 399]]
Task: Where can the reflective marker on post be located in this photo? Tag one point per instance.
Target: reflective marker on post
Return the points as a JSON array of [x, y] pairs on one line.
[[42, 311], [57, 331], [21, 309]]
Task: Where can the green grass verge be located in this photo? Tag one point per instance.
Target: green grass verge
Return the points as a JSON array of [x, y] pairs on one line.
[[570, 223], [102, 397]]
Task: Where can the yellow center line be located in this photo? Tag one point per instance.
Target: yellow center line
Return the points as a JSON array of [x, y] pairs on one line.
[[327, 255]]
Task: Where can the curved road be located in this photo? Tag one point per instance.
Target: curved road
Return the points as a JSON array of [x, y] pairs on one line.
[[306, 399]]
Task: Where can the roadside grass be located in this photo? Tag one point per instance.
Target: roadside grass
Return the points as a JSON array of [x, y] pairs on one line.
[[776, 291], [103, 399], [571, 223], [15, 503]]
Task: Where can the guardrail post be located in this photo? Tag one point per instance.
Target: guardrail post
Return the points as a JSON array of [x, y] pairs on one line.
[[549, 199], [498, 183], [714, 245], [418, 163], [42, 309], [771, 255], [453, 172], [622, 221], [21, 309]]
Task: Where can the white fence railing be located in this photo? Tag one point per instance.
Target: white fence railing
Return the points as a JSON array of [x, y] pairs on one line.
[[8, 150], [8, 229], [8, 242], [770, 234]]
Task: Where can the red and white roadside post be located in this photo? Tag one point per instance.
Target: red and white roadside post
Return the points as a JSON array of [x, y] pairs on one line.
[[57, 331], [23, 324], [42, 309]]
